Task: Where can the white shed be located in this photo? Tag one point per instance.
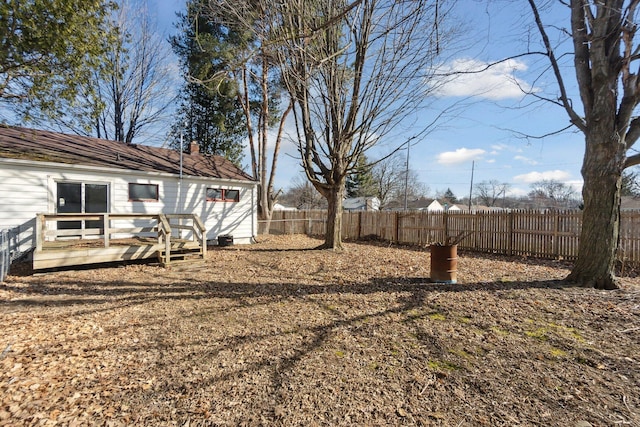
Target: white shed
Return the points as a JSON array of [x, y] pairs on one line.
[[281, 207], [435, 206], [361, 204], [49, 172]]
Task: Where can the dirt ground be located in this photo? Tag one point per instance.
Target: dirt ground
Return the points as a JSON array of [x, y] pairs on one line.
[[278, 334]]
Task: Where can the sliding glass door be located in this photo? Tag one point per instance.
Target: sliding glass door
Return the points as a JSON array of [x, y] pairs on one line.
[[79, 197]]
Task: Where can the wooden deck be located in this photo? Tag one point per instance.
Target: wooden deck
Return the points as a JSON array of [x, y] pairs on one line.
[[121, 237]]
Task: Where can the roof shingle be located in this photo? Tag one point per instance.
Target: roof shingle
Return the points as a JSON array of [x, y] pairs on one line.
[[46, 146]]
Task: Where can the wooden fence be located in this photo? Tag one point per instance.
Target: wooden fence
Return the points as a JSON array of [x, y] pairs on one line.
[[549, 234]]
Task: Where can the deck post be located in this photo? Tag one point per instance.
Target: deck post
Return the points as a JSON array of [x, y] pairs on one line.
[[40, 225], [105, 229], [198, 226], [164, 229]]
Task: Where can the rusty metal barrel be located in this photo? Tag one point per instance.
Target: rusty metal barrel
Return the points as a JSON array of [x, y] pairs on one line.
[[444, 263]]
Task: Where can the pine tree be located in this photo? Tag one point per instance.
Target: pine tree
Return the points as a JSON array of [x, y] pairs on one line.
[[449, 197], [49, 49], [630, 183], [212, 116], [361, 182]]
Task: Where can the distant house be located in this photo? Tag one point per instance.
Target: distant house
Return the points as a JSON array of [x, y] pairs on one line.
[[628, 203], [361, 204], [49, 172], [280, 207], [435, 206]]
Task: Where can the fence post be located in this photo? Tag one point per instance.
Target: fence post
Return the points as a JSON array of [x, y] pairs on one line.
[[445, 219], [304, 223], [510, 233], [358, 231], [556, 230], [397, 227]]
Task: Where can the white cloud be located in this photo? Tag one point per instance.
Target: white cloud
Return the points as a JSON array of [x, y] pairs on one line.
[[491, 161], [479, 79], [461, 155], [531, 177], [526, 160]]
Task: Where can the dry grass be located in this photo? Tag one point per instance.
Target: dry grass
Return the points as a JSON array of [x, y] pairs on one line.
[[278, 334]]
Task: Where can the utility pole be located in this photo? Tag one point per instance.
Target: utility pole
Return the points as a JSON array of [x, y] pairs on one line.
[[473, 165], [406, 176]]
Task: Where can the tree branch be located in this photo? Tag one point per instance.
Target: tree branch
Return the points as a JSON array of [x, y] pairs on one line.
[[632, 161], [564, 98]]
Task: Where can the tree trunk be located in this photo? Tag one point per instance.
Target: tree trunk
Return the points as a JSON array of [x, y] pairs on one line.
[[602, 173], [333, 236], [265, 211]]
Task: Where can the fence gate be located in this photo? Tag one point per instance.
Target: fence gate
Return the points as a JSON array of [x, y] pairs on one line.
[[4, 254]]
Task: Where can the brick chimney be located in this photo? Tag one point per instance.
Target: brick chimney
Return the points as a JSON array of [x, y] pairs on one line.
[[194, 148]]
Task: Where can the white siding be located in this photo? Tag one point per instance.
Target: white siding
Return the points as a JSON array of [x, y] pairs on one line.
[[27, 189], [23, 194]]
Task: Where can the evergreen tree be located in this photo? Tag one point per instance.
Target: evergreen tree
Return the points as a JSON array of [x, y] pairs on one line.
[[449, 197], [361, 182], [630, 183], [228, 53], [49, 49], [208, 114]]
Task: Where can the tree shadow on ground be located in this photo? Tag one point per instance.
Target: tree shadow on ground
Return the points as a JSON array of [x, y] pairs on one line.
[[411, 294], [65, 291]]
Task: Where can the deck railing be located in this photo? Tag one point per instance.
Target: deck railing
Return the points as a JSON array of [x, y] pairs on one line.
[[66, 230], [189, 223], [5, 258]]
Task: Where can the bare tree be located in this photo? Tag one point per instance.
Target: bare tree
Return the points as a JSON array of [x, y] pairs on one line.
[[388, 176], [355, 72], [551, 193], [604, 54], [393, 180], [303, 195], [132, 91], [490, 191], [248, 28], [139, 87]]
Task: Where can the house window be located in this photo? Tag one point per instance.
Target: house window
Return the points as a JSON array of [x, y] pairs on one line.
[[221, 195], [143, 192]]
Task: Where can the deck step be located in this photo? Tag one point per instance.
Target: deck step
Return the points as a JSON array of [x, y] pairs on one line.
[[180, 255]]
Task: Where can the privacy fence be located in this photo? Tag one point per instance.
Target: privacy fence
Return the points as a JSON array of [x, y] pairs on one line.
[[548, 234]]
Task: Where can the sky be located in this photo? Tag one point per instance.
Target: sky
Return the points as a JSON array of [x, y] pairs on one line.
[[488, 134]]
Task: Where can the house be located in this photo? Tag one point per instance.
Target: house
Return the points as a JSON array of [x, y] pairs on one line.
[[281, 207], [361, 204], [435, 206], [629, 203], [49, 172]]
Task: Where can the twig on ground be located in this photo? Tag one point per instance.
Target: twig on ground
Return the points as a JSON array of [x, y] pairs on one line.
[[5, 351]]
